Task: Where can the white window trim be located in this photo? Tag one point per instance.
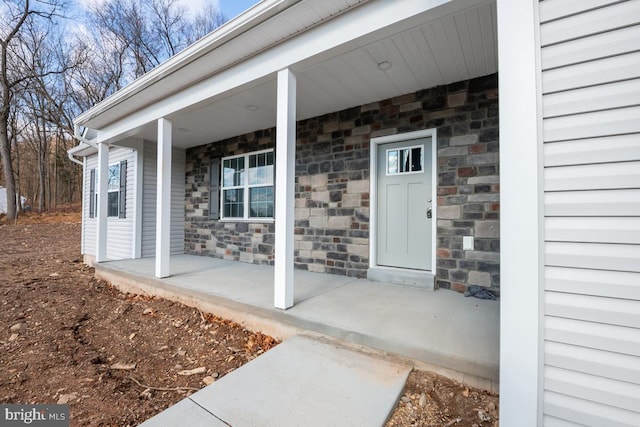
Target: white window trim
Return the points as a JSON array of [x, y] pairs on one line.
[[117, 215], [93, 198], [96, 194], [245, 188]]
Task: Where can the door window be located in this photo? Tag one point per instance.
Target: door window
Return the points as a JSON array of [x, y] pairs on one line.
[[405, 160]]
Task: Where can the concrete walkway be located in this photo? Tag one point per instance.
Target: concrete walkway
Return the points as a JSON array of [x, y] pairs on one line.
[[438, 330], [301, 382]]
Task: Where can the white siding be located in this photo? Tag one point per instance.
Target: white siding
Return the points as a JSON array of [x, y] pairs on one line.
[[88, 224], [149, 200], [119, 230], [591, 126]]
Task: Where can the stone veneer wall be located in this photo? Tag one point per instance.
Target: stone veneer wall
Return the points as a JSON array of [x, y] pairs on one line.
[[332, 186], [237, 241]]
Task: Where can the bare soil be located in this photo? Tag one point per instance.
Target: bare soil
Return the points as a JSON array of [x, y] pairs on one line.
[[118, 359]]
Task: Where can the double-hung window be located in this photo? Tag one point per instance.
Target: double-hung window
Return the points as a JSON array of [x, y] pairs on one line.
[[116, 191], [113, 189], [247, 185]]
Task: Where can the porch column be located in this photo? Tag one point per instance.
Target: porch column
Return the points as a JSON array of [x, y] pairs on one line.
[[285, 180], [163, 202], [521, 209], [101, 211]]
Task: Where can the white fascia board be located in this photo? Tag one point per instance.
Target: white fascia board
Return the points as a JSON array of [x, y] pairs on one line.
[[82, 150], [228, 31], [322, 38]]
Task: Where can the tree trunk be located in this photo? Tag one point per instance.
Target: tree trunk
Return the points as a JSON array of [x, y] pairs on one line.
[[41, 181], [55, 172], [7, 167], [45, 186], [18, 193]]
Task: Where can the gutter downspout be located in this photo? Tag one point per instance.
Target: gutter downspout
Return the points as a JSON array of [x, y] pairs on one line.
[[73, 159], [81, 139]]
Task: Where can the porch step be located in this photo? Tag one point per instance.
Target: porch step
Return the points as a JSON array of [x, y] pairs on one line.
[[400, 276], [302, 381]]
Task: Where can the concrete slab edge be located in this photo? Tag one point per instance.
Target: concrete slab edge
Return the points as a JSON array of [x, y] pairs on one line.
[[282, 326]]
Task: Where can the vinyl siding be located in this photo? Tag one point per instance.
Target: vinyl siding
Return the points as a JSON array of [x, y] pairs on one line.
[[89, 228], [149, 200], [178, 165], [149, 190], [591, 127], [119, 230]]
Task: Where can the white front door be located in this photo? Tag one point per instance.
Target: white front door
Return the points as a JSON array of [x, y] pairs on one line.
[[404, 201]]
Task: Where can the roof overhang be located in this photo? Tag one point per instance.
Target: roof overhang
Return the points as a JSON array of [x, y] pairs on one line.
[[82, 150], [224, 85]]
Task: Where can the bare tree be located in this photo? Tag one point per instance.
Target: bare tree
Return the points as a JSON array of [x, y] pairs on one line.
[[149, 31], [15, 16], [47, 79], [42, 55], [207, 20], [125, 21], [171, 29]]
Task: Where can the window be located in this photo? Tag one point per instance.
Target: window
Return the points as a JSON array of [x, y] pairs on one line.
[[113, 188], [116, 191], [405, 160], [93, 196], [247, 185]]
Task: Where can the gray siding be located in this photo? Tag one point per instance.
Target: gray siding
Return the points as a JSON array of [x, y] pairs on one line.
[[119, 230], [591, 127], [177, 200], [149, 200]]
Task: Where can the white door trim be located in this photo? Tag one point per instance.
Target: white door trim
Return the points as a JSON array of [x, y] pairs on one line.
[[373, 187]]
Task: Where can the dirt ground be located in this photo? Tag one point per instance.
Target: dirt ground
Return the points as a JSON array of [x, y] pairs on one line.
[[119, 359]]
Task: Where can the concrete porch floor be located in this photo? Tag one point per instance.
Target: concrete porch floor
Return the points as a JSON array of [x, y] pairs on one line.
[[441, 331]]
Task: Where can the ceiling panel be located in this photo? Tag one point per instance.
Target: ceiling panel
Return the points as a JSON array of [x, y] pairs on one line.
[[451, 49]]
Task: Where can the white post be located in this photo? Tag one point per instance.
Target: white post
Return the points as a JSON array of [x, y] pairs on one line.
[[163, 203], [521, 214], [101, 211], [138, 190], [285, 180]]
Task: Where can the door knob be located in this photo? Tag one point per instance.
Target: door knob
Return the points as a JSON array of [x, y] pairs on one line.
[[429, 213]]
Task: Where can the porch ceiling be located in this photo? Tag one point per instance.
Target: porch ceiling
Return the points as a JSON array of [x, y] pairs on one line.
[[422, 54]]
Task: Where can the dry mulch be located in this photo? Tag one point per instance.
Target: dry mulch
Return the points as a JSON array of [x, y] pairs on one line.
[[118, 359], [433, 400]]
